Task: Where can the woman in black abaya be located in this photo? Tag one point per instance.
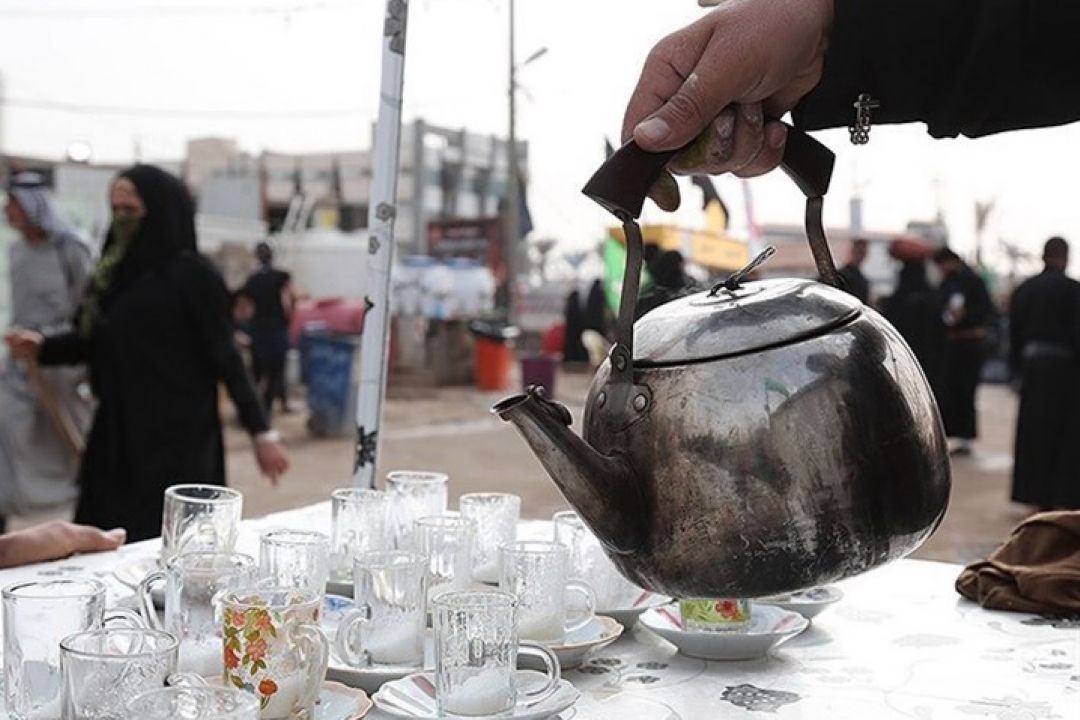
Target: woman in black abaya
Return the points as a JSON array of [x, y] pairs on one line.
[[155, 330]]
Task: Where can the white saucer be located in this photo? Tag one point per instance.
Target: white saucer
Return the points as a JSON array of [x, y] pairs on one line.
[[628, 615], [600, 632], [132, 572], [769, 627], [808, 603], [413, 698]]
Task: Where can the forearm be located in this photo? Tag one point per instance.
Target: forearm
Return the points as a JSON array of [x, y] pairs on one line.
[[970, 67]]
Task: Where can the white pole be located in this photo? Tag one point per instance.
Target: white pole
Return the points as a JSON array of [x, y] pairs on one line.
[[382, 209]]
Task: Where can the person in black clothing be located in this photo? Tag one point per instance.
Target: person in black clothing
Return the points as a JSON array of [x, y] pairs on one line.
[[1044, 353], [914, 310], [155, 331], [854, 280], [966, 310], [271, 292], [981, 67], [670, 282], [574, 319]]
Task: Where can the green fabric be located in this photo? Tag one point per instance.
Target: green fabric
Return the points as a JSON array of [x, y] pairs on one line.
[[121, 234], [615, 269]]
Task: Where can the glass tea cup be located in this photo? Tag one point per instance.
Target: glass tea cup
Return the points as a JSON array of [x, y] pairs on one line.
[[200, 518], [536, 572], [476, 650], [36, 617], [589, 563], [194, 583], [193, 703], [715, 614], [387, 627], [496, 516], [358, 526], [275, 649], [295, 558], [103, 669], [446, 542], [414, 494]]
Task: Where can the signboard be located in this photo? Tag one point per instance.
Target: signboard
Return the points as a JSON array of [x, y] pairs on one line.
[[479, 239]]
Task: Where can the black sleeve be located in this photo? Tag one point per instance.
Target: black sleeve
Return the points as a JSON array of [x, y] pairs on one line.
[[69, 348], [207, 301], [970, 67]]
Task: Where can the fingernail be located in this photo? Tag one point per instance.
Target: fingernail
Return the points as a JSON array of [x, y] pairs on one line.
[[653, 131], [117, 533], [775, 135]]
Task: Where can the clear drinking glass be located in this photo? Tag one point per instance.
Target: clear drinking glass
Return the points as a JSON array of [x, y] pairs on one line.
[[359, 526], [37, 616], [413, 495], [200, 518], [295, 559], [193, 584], [193, 703], [103, 669], [589, 563], [446, 541], [387, 627], [476, 649], [275, 650], [536, 573], [496, 516]]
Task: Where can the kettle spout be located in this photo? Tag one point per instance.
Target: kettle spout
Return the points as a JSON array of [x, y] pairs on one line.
[[601, 488]]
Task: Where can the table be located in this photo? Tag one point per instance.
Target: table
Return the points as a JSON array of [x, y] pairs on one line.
[[901, 644]]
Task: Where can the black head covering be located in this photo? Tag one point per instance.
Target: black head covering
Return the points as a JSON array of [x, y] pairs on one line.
[[667, 270], [167, 229]]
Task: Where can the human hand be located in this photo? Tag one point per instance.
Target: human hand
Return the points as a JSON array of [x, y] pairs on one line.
[[714, 82], [54, 540], [272, 458], [23, 344]]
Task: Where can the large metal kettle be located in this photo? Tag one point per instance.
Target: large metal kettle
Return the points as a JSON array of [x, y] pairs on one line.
[[757, 438]]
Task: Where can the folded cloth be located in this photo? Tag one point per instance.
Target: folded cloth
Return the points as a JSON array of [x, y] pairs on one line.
[[1037, 570]]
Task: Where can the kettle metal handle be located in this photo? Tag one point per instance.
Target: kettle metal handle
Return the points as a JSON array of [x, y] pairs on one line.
[[623, 182]]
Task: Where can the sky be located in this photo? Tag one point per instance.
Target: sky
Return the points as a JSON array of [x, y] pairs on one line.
[[303, 75]]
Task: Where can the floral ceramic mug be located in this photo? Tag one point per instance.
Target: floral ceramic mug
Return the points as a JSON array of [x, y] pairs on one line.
[[275, 650]]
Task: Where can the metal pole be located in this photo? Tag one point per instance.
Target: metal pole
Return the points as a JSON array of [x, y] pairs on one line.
[[382, 209], [513, 224]]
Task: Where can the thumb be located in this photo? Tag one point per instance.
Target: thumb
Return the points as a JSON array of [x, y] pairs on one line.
[[680, 119], [91, 539]]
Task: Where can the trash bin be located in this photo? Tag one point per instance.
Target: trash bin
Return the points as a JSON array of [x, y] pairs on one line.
[[494, 353], [539, 370], [328, 361]]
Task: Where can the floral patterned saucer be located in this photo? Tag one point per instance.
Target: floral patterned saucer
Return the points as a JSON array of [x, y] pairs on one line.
[[769, 627]]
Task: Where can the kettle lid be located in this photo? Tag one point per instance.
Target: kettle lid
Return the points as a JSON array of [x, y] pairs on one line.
[[752, 317]]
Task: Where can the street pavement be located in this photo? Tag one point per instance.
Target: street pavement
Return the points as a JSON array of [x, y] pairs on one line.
[[452, 430]]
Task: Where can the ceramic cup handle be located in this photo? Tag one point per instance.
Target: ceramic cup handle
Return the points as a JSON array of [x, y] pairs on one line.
[[314, 651], [145, 594], [551, 669], [352, 628], [586, 592]]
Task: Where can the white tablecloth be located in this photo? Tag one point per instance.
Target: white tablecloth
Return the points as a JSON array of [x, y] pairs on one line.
[[901, 644]]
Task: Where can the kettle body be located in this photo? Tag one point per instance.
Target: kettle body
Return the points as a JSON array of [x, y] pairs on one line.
[[778, 469]]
